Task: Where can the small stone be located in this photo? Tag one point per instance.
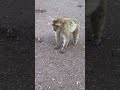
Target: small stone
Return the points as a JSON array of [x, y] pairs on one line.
[[59, 82], [78, 82], [40, 87], [53, 79], [40, 40], [80, 6], [40, 11], [38, 21]]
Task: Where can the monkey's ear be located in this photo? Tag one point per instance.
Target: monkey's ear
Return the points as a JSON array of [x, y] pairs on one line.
[[53, 24], [54, 21]]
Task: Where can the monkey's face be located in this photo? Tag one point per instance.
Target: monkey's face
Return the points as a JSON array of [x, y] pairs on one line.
[[56, 27], [57, 24]]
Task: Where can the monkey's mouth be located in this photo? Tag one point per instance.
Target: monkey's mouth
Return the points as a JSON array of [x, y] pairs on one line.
[[55, 30]]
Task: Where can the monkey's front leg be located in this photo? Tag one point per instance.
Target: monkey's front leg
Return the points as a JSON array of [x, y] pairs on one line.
[[98, 24], [76, 35], [57, 39], [65, 43]]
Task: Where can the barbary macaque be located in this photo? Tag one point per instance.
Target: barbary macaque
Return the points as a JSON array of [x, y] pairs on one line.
[[64, 27], [97, 10]]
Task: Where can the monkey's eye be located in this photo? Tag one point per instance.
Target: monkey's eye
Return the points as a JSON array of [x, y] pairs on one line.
[[57, 25], [52, 24]]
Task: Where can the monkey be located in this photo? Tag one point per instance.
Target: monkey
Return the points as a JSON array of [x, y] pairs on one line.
[[97, 11], [64, 27]]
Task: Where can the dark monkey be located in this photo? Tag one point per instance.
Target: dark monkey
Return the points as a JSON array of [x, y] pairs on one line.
[[97, 10]]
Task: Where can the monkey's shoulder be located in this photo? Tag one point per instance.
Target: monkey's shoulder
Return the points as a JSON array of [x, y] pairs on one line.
[[71, 20]]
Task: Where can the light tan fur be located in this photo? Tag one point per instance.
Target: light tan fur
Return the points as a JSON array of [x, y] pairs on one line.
[[64, 27]]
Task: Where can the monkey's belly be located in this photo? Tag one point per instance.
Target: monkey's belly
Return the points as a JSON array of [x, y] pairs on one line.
[[91, 5]]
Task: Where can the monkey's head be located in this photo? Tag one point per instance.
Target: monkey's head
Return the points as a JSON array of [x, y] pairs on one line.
[[57, 24]]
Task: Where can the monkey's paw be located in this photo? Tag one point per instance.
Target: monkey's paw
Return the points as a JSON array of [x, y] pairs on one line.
[[56, 47], [62, 51], [75, 44]]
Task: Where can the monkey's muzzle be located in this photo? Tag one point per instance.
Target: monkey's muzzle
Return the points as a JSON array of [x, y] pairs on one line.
[[55, 30], [55, 27]]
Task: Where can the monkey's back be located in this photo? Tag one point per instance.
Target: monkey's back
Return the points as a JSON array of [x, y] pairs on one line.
[[71, 24], [91, 5]]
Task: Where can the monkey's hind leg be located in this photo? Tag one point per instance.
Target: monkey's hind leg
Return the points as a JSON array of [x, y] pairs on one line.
[[66, 40], [98, 24], [76, 35], [57, 38]]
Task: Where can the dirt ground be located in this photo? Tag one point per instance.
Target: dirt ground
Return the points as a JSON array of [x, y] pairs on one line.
[[55, 71]]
